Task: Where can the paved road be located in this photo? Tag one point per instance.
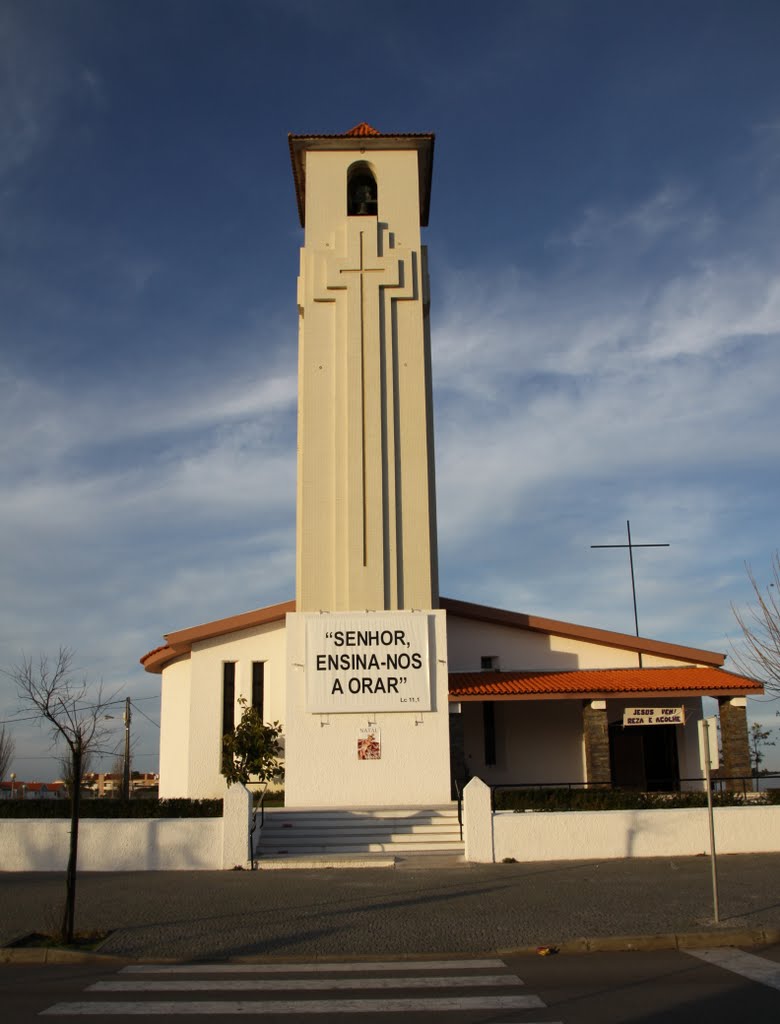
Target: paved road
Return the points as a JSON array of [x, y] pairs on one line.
[[383, 912], [600, 988]]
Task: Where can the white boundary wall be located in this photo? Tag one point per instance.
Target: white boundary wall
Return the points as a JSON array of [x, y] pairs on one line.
[[132, 844], [605, 835]]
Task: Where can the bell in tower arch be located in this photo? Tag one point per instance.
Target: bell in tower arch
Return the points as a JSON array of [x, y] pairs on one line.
[[361, 191]]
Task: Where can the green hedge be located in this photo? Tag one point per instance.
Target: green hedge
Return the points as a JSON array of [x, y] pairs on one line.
[[109, 808], [552, 799], [275, 799]]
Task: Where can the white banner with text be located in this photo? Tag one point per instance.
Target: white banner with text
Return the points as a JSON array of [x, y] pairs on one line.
[[372, 661], [654, 716]]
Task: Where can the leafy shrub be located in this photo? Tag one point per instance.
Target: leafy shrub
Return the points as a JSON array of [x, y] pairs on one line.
[[140, 808], [564, 799]]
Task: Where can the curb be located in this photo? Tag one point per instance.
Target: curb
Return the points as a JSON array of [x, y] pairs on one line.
[[53, 955], [667, 940], [603, 944]]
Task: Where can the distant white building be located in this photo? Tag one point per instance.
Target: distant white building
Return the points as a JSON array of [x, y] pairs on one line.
[[388, 694]]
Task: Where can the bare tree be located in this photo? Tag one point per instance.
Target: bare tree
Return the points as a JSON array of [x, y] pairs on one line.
[[758, 738], [75, 716], [7, 749], [760, 626]]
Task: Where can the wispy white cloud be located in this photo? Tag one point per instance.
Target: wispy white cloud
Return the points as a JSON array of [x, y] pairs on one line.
[[566, 404], [670, 210], [38, 78]]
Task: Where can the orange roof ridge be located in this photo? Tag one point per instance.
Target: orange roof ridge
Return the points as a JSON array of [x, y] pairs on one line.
[[181, 641], [364, 128], [571, 630]]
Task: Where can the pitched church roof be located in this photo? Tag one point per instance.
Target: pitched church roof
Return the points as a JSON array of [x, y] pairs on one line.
[[554, 627], [702, 675], [181, 641]]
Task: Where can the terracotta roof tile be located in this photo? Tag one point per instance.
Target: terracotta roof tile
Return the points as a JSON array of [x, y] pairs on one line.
[[364, 128], [155, 650], [603, 682], [182, 640]]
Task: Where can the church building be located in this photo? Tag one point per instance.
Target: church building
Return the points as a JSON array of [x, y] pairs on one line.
[[390, 695]]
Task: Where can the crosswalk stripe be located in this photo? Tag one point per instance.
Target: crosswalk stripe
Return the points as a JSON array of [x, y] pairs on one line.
[[306, 984], [170, 1008], [314, 968], [750, 966]]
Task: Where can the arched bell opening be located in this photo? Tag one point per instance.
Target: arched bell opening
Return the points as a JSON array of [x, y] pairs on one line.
[[361, 191]]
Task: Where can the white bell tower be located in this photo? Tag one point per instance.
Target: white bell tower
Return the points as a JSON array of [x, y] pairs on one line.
[[366, 719], [366, 519]]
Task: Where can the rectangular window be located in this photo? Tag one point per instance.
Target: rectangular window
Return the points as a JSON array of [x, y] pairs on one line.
[[228, 696], [489, 732], [489, 662], [258, 685]]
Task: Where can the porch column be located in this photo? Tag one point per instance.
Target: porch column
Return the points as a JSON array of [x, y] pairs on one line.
[[595, 731], [735, 751]]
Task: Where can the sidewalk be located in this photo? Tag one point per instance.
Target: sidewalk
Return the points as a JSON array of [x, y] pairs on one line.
[[421, 907]]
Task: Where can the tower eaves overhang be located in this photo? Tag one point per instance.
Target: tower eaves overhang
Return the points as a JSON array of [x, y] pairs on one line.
[[363, 139]]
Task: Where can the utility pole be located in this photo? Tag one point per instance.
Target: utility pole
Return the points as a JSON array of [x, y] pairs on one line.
[[631, 547], [126, 766]]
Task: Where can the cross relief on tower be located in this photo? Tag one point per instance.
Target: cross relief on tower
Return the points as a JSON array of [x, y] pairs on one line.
[[363, 280]]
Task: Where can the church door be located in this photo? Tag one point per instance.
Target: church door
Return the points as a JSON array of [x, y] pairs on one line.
[[644, 757]]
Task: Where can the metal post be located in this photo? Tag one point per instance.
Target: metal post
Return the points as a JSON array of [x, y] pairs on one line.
[[126, 765], [631, 547], [713, 860], [633, 581]]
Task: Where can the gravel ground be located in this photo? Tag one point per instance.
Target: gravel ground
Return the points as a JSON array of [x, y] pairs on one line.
[[425, 909]]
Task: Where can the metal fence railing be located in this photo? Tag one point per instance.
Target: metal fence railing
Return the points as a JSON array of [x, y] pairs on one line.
[[746, 785]]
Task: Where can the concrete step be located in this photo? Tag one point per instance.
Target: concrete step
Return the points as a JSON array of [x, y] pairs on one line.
[[401, 861], [277, 850], [322, 832], [279, 814], [356, 829]]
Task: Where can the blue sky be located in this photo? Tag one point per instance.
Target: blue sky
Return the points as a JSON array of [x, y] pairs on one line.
[[605, 285]]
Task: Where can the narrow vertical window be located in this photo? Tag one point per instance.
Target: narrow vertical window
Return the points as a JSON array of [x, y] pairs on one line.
[[258, 686], [489, 731], [228, 696]]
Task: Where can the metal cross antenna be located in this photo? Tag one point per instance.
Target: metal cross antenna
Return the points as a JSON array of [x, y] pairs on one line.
[[631, 547]]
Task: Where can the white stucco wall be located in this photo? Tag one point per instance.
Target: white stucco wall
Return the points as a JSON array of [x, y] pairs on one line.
[[536, 741], [175, 729], [468, 640], [133, 844], [322, 765], [191, 715], [597, 835], [678, 832]]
